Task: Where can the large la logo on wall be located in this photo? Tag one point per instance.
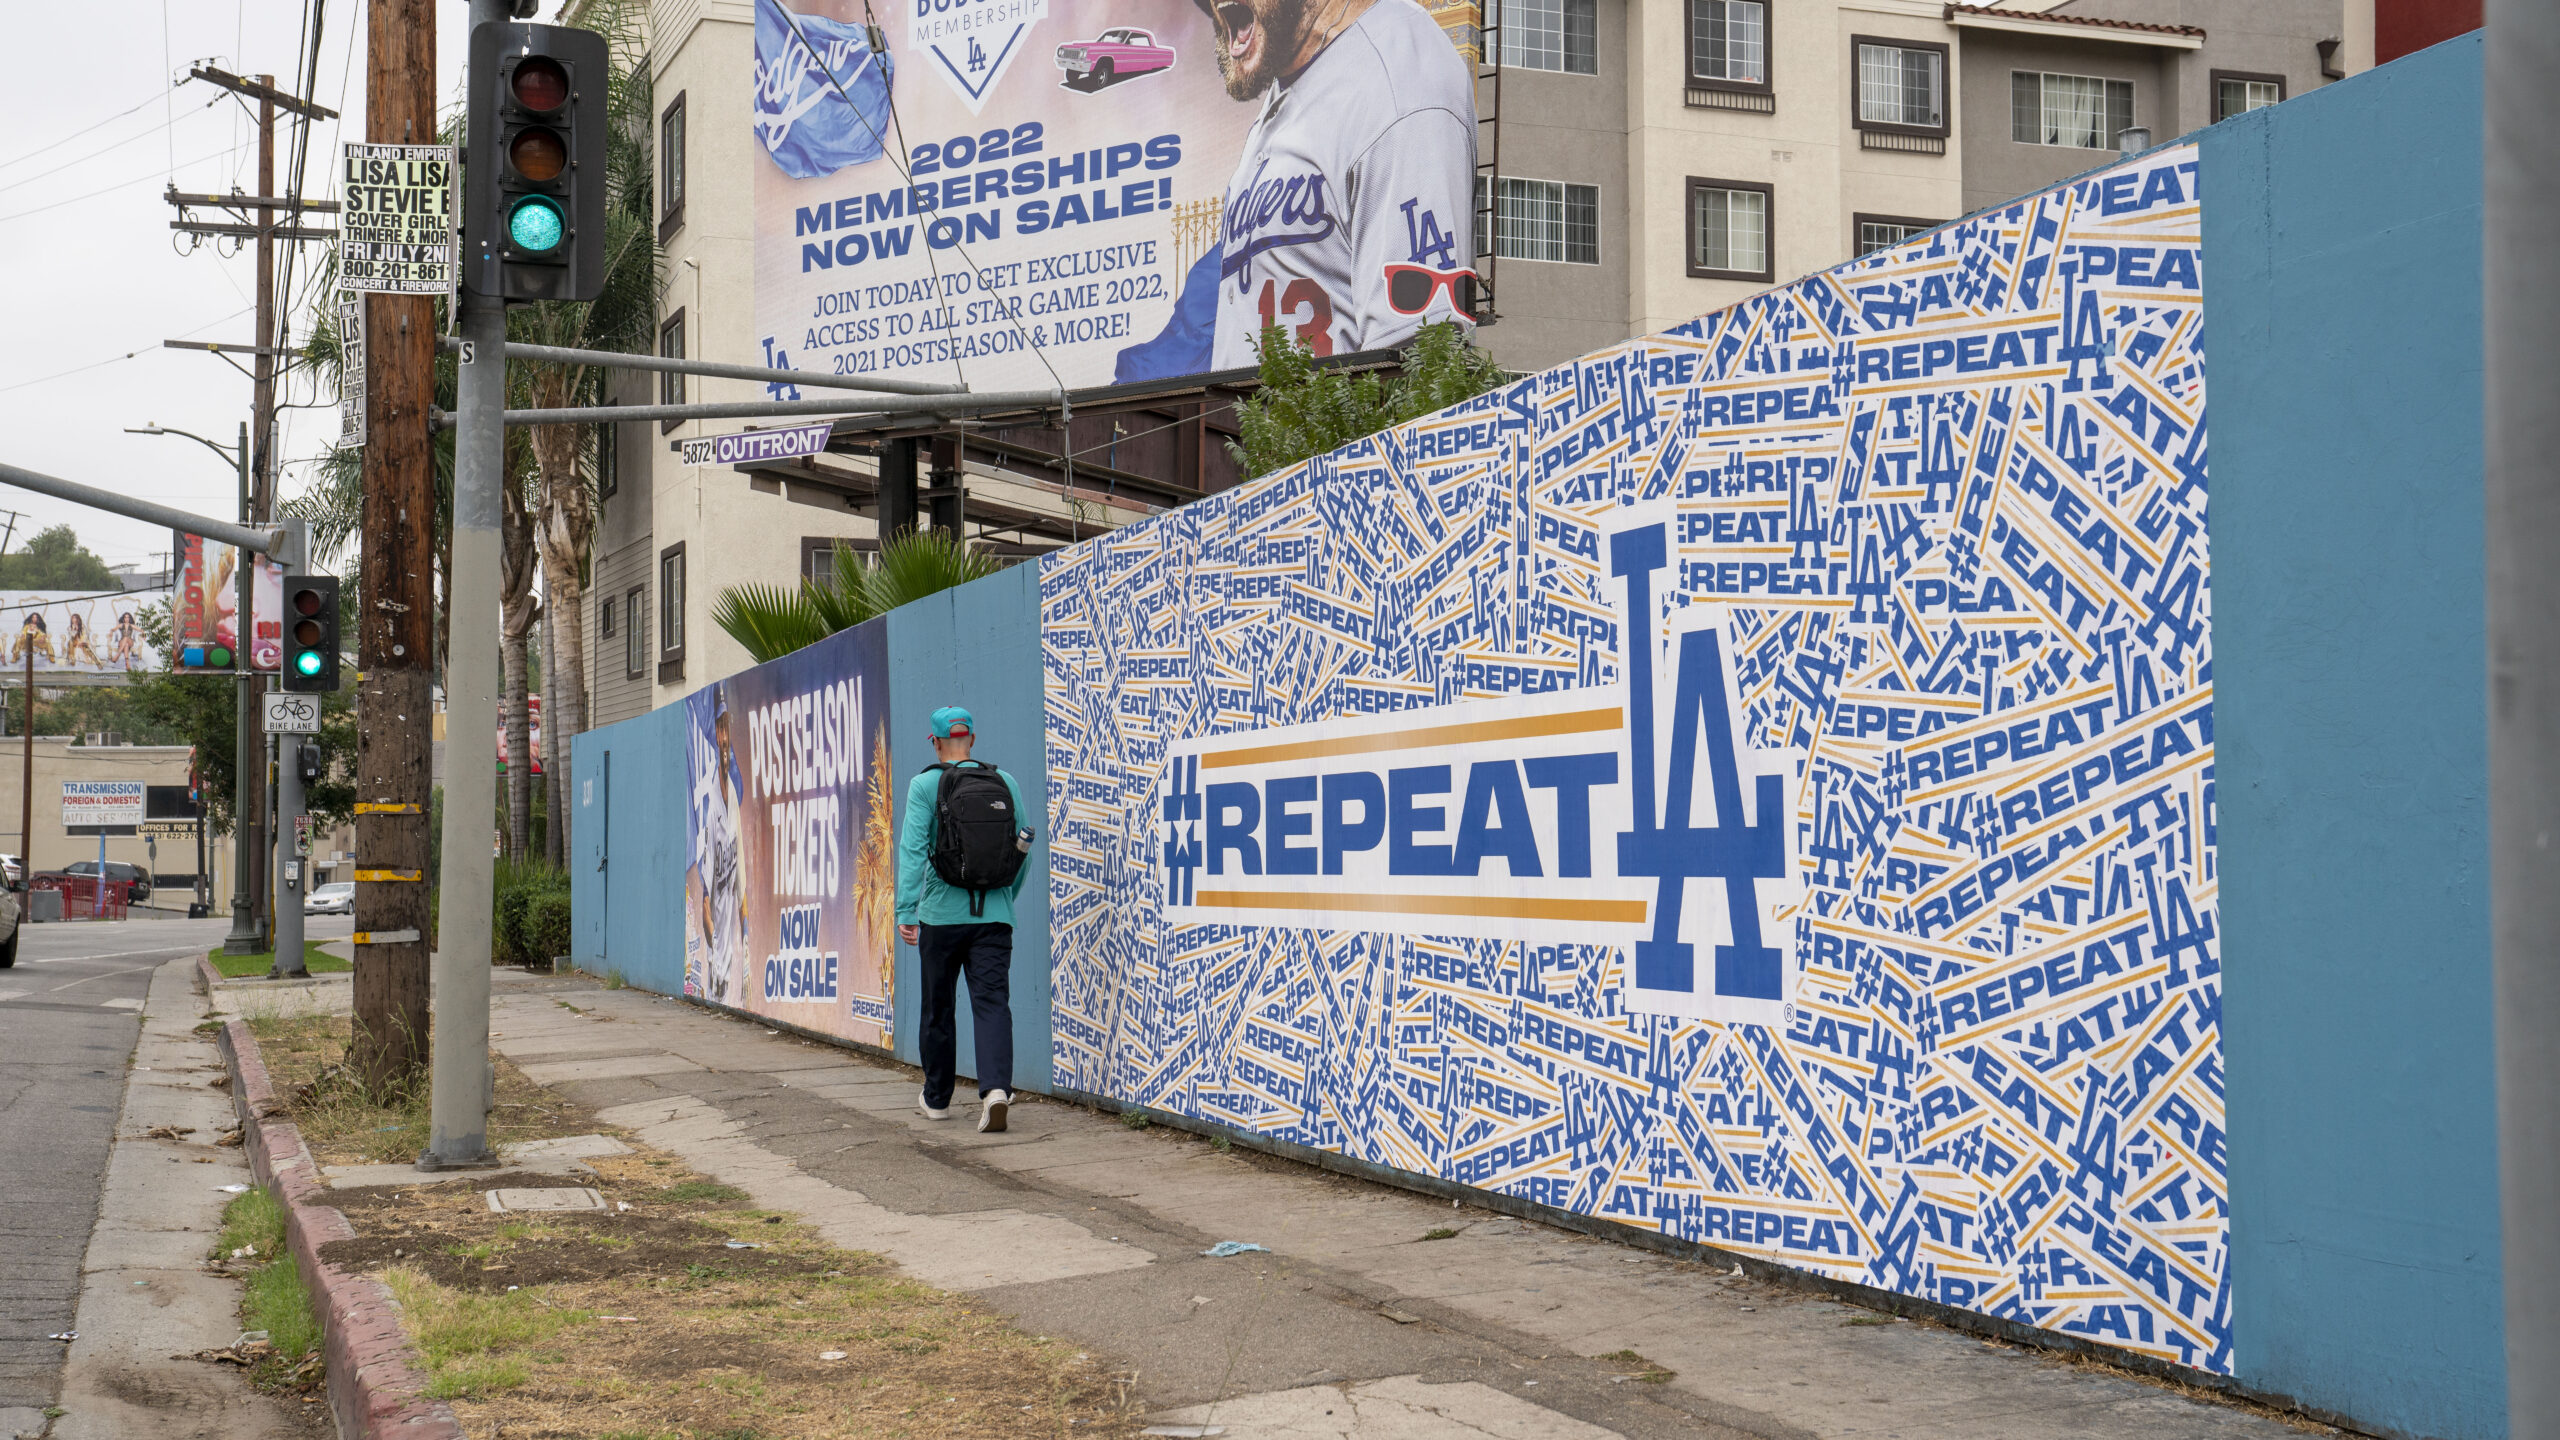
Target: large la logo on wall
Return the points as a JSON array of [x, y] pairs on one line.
[[972, 42], [1638, 814]]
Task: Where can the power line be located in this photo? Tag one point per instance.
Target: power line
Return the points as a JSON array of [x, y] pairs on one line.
[[76, 134], [101, 150], [112, 359], [152, 174]]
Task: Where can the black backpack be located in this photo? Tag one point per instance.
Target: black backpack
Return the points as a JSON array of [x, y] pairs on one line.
[[973, 831]]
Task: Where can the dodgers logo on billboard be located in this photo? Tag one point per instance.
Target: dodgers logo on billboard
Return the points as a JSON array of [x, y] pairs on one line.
[[972, 41], [822, 92], [1638, 814]]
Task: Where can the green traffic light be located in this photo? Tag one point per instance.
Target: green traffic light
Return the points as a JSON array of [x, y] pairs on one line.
[[308, 662], [535, 225]]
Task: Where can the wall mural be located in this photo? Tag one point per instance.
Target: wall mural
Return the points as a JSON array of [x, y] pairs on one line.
[[1753, 783]]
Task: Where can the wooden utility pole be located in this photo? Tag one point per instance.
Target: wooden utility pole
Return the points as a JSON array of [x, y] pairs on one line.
[[396, 628]]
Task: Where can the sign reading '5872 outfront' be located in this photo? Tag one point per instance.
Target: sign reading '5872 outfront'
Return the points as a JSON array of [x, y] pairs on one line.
[[1635, 814]]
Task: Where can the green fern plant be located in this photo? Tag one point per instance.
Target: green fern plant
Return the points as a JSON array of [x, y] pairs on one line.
[[773, 620]]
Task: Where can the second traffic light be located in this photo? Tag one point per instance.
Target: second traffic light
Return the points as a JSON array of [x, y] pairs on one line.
[[311, 633], [534, 168]]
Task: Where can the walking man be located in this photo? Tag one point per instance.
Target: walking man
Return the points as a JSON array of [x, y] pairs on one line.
[[960, 863]]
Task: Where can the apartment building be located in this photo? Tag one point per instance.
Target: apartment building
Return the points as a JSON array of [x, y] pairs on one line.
[[1640, 162], [1660, 160]]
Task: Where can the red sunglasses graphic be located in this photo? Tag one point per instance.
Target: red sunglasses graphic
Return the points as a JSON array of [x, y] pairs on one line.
[[1410, 288]]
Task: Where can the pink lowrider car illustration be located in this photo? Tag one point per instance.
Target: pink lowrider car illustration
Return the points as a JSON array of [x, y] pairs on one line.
[[1116, 55]]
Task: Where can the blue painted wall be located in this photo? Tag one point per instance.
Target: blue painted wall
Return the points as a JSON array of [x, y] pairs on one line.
[[979, 646], [2342, 271], [627, 912]]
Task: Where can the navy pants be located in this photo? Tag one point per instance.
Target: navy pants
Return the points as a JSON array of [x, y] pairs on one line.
[[985, 952]]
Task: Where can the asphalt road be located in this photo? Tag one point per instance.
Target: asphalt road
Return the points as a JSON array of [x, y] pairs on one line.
[[70, 1012]]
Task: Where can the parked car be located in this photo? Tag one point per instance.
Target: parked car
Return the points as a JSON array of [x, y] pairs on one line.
[[135, 879], [12, 910], [1114, 55], [12, 869], [338, 897]]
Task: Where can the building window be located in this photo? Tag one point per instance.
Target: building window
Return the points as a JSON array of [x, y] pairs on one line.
[[1560, 35], [635, 632], [608, 460], [2237, 92], [671, 347], [1902, 85], [604, 618], [671, 161], [1729, 44], [2080, 111], [1729, 230], [818, 558], [671, 604], [1883, 232], [1546, 220]]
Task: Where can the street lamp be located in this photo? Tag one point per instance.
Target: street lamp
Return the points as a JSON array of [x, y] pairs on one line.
[[247, 935]]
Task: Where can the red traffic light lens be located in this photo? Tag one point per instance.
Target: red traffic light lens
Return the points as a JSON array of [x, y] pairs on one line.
[[538, 154], [306, 633], [306, 602], [540, 84]]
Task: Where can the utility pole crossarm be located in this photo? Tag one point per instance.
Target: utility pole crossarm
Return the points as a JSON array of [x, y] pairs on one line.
[[257, 90], [252, 232], [262, 540], [236, 201]]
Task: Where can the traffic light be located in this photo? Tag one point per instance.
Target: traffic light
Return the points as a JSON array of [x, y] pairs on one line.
[[311, 633], [534, 167]]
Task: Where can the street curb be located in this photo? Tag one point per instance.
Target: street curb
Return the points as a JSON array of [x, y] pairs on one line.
[[376, 1388]]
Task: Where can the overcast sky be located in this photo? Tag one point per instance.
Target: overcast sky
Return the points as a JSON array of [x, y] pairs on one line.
[[92, 273]]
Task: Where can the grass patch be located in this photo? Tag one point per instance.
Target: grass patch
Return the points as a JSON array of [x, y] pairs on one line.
[[476, 1346], [344, 1123], [701, 1191], [254, 1217], [1643, 1370], [239, 967], [1441, 1233], [1134, 1119], [279, 1303], [1868, 1320]]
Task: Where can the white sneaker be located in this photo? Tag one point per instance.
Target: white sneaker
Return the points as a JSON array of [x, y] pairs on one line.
[[930, 1113], [991, 1108]]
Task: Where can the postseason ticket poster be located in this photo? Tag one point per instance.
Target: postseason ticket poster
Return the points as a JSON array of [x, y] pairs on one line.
[[1021, 193], [790, 878]]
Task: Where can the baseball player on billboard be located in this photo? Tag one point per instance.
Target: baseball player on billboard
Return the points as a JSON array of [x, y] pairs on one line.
[[719, 878], [1348, 219]]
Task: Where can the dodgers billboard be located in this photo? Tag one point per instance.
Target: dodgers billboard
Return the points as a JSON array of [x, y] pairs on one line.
[[1020, 193], [1753, 783], [790, 883]]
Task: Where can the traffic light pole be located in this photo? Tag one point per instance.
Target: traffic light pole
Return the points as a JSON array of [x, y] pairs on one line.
[[289, 861], [245, 938], [458, 1129]]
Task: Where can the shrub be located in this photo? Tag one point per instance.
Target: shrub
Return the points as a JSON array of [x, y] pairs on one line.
[[519, 883], [546, 926]]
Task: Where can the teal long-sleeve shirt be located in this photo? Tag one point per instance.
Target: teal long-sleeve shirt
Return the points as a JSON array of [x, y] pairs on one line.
[[924, 898]]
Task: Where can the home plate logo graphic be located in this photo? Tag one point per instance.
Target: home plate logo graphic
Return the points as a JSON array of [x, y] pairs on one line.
[[972, 41]]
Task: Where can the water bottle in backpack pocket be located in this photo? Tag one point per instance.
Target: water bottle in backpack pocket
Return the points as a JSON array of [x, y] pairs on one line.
[[974, 825]]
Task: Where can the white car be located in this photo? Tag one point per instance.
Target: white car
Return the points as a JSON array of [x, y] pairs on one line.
[[336, 898]]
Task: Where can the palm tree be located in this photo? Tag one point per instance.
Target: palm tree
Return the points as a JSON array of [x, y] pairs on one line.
[[622, 317], [774, 620]]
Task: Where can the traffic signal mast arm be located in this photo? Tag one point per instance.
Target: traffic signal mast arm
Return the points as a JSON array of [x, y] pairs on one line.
[[265, 540], [670, 365]]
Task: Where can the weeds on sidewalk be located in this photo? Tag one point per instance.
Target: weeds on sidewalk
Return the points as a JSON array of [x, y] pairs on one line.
[[692, 1314], [275, 1302], [343, 1122]]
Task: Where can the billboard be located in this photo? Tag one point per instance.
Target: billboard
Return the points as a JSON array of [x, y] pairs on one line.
[[1020, 193], [1754, 783], [101, 802], [791, 881], [204, 613], [76, 633]]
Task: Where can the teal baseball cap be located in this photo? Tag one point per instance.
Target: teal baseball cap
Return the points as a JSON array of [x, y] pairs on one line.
[[951, 720]]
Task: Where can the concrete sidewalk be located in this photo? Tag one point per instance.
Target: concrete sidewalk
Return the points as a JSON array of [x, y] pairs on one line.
[[1354, 1325]]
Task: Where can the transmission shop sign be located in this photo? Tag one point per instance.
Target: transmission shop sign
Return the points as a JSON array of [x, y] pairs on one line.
[[102, 802], [396, 225]]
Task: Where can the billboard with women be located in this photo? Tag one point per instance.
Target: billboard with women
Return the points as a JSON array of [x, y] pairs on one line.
[[790, 880], [1024, 193]]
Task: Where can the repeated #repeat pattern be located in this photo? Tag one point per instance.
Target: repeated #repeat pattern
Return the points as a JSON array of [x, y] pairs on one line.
[[1936, 519]]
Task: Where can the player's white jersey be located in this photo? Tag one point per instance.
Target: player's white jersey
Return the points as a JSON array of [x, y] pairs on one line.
[[1360, 162], [722, 866]]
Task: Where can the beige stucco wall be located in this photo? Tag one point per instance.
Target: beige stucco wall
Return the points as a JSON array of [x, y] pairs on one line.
[[57, 760]]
